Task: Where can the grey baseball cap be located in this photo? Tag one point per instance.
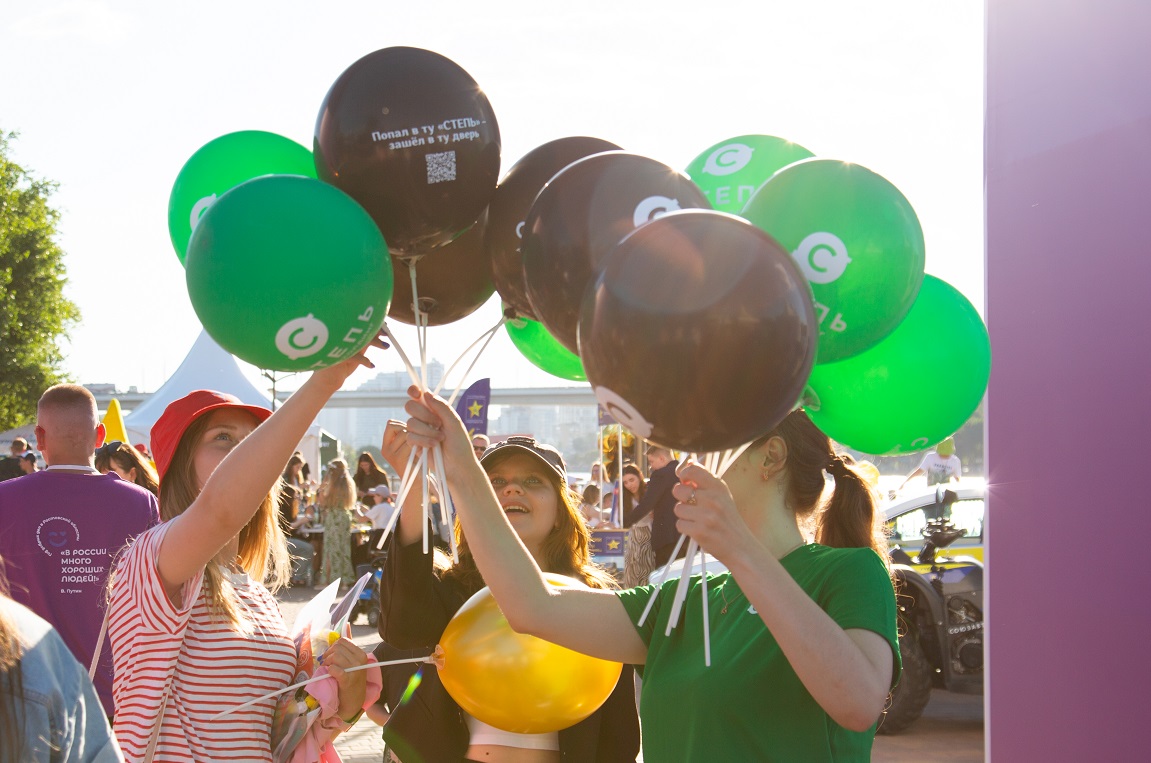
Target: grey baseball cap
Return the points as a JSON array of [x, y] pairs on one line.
[[545, 453]]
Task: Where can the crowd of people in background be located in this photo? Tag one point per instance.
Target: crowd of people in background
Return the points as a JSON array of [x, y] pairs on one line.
[[177, 554]]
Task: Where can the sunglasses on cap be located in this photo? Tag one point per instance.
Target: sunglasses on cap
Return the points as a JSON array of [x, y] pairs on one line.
[[545, 453], [108, 449]]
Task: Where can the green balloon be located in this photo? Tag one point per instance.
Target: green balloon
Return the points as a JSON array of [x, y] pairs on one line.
[[915, 388], [289, 273], [858, 241], [223, 164], [543, 350], [729, 172]]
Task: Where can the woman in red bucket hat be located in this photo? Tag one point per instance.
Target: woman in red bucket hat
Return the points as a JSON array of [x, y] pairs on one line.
[[193, 625]]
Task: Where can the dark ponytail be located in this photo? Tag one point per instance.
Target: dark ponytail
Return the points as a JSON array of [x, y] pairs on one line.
[[849, 518]]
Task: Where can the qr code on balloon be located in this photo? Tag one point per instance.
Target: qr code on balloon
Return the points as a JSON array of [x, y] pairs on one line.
[[441, 167]]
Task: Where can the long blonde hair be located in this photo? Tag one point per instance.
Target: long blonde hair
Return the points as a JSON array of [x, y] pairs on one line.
[[337, 491], [263, 550], [12, 679]]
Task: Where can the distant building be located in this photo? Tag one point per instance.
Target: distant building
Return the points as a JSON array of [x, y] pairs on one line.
[[360, 427]]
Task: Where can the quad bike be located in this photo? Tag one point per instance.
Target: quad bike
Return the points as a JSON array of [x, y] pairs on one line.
[[940, 614], [369, 602]]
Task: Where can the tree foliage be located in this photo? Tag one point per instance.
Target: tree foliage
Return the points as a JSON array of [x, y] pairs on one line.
[[34, 313]]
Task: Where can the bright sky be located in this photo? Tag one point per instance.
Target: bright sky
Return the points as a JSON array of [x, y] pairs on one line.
[[111, 97]]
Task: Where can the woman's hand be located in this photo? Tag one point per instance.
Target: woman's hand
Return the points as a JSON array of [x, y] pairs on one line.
[[337, 659], [434, 422], [706, 511], [333, 377], [395, 448]]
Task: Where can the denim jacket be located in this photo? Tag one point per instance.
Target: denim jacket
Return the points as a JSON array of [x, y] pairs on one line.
[[61, 716]]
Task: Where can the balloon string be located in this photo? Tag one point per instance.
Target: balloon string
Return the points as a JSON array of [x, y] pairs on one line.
[[662, 579], [313, 679], [406, 483], [730, 458], [427, 497], [464, 354], [681, 587], [463, 379], [446, 504], [403, 356], [421, 327], [706, 614]]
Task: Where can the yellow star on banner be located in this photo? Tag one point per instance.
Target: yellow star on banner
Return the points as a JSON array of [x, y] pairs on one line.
[[612, 545], [475, 408]]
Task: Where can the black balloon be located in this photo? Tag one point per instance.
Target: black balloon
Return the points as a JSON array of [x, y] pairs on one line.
[[580, 216], [509, 208], [699, 333], [409, 135], [452, 283]]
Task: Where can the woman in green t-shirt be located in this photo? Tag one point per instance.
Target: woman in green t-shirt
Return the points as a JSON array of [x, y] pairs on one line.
[[803, 635]]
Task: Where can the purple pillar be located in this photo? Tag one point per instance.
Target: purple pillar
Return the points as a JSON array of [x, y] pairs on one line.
[[1068, 193]]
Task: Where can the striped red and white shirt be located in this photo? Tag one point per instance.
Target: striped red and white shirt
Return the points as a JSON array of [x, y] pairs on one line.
[[215, 668]]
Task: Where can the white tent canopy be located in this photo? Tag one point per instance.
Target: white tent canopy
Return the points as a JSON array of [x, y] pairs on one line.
[[207, 366]]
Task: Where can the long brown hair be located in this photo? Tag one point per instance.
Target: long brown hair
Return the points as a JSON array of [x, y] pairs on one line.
[[11, 679], [566, 549], [848, 519], [127, 458], [629, 501], [263, 550], [295, 463]]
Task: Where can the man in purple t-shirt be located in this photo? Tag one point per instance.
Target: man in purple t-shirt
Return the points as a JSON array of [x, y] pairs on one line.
[[60, 528]]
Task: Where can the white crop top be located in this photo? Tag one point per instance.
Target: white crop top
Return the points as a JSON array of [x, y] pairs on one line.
[[482, 733]]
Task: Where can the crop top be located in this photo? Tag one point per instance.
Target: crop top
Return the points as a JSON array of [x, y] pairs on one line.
[[482, 733]]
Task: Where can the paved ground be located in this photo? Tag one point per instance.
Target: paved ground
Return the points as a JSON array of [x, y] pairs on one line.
[[950, 731]]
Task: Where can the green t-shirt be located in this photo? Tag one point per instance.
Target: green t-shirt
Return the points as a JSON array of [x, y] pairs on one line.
[[750, 705]]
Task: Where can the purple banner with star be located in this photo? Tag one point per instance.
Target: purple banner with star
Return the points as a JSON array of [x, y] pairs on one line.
[[607, 547], [473, 407]]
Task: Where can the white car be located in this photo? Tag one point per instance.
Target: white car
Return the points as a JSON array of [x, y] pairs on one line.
[[906, 516]]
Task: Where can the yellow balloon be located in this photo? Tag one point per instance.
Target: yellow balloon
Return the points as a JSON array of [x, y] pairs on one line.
[[517, 682]]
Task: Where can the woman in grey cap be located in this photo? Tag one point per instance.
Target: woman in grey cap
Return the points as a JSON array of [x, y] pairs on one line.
[[802, 636], [419, 596]]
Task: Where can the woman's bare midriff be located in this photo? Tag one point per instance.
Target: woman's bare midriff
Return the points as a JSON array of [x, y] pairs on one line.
[[498, 753]]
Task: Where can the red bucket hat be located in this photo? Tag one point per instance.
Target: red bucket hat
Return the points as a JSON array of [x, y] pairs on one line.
[[180, 414]]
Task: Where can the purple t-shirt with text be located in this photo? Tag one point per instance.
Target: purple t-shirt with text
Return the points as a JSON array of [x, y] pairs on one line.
[[59, 532]]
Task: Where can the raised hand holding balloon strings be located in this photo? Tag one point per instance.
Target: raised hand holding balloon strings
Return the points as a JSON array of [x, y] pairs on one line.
[[419, 380]]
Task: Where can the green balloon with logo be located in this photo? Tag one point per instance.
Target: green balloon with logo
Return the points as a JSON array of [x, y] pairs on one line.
[[543, 350], [729, 172], [289, 273], [916, 387], [856, 239], [222, 164]]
